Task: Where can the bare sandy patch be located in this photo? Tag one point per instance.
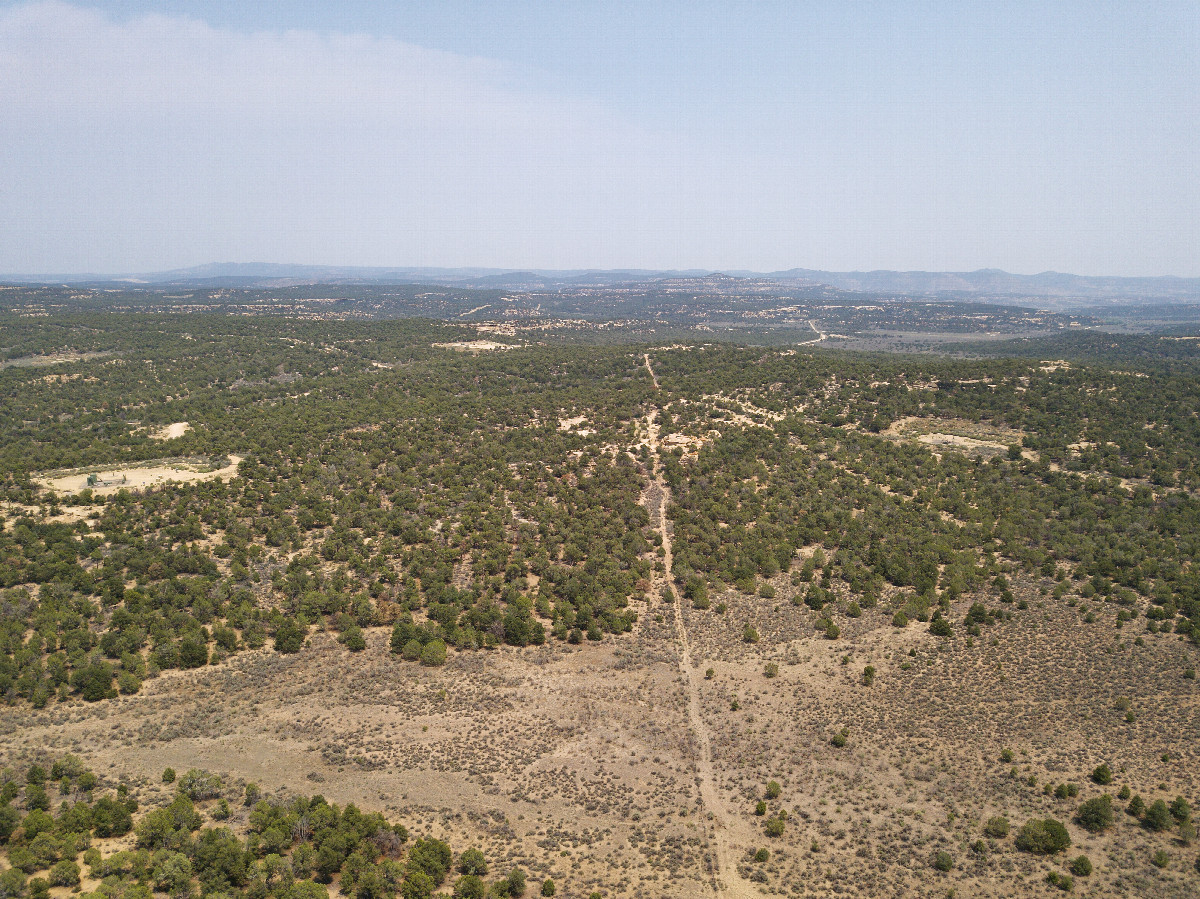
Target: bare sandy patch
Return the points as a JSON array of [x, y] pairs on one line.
[[572, 424], [171, 431], [475, 346], [106, 481], [976, 439], [52, 359]]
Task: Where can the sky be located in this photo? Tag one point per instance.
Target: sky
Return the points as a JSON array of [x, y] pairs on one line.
[[140, 136]]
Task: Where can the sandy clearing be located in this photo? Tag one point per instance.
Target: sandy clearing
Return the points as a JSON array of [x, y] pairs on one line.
[[52, 359], [475, 346], [967, 443], [171, 431], [133, 477]]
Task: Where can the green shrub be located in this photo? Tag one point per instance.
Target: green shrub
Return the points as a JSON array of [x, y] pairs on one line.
[[996, 827], [1096, 814], [472, 862], [943, 861], [548, 887], [1081, 866], [1063, 881], [762, 855], [197, 785], [289, 637], [469, 886], [773, 789], [64, 874], [940, 627], [1158, 816], [433, 654], [1043, 836], [749, 635], [1102, 775], [1180, 810]]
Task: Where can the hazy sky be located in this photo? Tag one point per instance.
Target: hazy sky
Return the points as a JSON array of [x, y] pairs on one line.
[[138, 136]]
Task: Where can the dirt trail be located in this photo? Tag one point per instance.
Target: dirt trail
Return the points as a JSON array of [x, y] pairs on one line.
[[654, 378], [821, 335], [726, 880]]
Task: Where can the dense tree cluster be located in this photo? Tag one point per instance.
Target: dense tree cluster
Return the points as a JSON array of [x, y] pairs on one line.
[[471, 501], [288, 850]]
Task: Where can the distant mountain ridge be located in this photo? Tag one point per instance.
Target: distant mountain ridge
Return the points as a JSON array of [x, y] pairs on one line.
[[982, 283]]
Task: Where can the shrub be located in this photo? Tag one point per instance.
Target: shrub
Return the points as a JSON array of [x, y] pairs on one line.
[[289, 637], [168, 775], [839, 739], [996, 827], [771, 670], [472, 862], [1096, 814], [1160, 859], [431, 857], [433, 654], [111, 818], [773, 789], [1081, 866], [9, 819], [697, 591], [12, 884], [1136, 807], [548, 887], [868, 675], [516, 882], [749, 635], [940, 627], [352, 638], [94, 681], [1158, 816], [1063, 881], [128, 683], [64, 874], [36, 797], [1180, 810], [762, 855], [1102, 775], [1043, 836], [469, 886], [900, 620], [197, 785], [774, 827], [943, 861], [760, 808], [193, 652]]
